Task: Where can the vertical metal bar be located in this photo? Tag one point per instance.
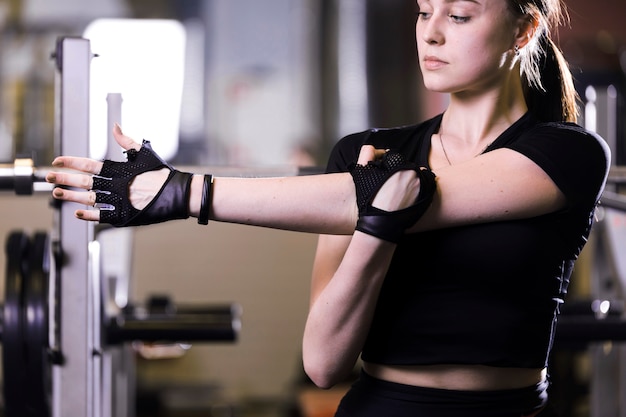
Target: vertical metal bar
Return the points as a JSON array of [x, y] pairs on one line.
[[73, 381], [118, 366], [93, 303], [114, 115]]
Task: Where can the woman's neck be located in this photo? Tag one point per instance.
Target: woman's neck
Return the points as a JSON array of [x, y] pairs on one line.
[[475, 118], [471, 124]]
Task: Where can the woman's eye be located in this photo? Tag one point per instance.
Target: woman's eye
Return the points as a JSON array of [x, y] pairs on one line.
[[423, 15], [459, 19]]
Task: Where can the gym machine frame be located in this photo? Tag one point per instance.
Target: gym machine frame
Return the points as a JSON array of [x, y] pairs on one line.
[[62, 335]]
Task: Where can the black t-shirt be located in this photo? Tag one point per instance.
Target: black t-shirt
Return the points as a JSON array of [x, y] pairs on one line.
[[485, 293]]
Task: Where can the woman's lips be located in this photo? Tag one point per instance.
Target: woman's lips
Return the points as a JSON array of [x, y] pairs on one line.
[[433, 63]]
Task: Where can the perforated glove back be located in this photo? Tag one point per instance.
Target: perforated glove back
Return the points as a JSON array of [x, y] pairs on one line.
[[112, 186], [368, 179]]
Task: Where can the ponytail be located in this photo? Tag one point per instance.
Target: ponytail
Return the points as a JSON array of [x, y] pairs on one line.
[[552, 96], [548, 85]]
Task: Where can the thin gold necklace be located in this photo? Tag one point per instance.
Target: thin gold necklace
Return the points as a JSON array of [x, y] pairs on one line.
[[444, 148], [446, 153]]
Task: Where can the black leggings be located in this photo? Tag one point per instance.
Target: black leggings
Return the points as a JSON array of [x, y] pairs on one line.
[[371, 397]]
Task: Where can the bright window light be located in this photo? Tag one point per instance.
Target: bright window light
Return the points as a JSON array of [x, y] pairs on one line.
[[142, 60]]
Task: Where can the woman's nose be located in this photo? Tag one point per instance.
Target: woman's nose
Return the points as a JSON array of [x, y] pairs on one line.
[[430, 30]]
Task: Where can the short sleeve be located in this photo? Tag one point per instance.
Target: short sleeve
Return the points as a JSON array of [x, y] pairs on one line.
[[576, 159], [346, 151]]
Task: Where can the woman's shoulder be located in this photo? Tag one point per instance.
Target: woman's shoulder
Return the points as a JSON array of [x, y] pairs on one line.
[[569, 140], [575, 158], [567, 129]]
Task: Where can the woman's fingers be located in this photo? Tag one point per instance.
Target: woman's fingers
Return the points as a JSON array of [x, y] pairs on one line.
[[92, 166], [369, 153], [124, 141], [86, 168], [91, 215], [81, 197], [83, 180], [89, 166], [84, 165], [70, 180], [366, 154]]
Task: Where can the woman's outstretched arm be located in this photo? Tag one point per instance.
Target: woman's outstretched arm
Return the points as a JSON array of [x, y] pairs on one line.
[[312, 203], [501, 184]]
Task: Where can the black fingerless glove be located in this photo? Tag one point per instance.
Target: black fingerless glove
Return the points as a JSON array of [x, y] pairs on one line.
[[368, 179], [112, 187]]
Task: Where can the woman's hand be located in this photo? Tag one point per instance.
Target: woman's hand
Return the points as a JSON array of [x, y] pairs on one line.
[[392, 193], [141, 189], [399, 191]]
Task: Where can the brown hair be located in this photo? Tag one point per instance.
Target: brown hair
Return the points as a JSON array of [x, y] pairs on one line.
[[548, 84]]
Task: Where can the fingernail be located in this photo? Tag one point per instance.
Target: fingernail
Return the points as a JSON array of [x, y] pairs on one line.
[[79, 214], [51, 178], [118, 127], [57, 192], [57, 163]]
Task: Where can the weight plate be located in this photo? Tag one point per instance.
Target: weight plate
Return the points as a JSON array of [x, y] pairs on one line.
[[15, 384], [38, 367]]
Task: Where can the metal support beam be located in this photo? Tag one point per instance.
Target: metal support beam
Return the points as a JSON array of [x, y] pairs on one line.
[[76, 380]]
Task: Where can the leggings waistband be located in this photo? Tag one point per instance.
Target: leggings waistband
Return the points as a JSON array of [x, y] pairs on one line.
[[369, 396]]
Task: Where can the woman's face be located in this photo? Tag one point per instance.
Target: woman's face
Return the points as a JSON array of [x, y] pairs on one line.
[[464, 45]]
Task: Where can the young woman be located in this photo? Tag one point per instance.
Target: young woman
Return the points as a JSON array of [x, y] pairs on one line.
[[446, 247]]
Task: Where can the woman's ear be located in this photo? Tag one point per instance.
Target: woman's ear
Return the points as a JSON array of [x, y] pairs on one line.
[[526, 30]]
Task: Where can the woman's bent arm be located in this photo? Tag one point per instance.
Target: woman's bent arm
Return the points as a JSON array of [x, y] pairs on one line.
[[343, 304]]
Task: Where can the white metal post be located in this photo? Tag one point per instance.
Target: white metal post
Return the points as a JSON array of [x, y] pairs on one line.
[[75, 380]]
